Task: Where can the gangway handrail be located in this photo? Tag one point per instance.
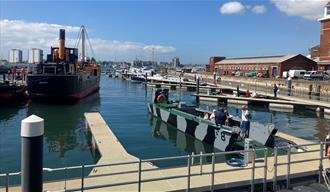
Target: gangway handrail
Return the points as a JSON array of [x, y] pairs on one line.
[[190, 163]]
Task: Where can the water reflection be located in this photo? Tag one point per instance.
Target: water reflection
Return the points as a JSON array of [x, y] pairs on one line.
[[64, 123]]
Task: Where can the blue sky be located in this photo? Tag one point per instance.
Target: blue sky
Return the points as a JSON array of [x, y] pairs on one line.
[[192, 30]]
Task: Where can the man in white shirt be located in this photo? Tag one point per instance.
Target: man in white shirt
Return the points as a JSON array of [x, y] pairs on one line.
[[245, 124]]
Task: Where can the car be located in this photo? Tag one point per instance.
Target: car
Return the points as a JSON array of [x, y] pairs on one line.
[[315, 75]]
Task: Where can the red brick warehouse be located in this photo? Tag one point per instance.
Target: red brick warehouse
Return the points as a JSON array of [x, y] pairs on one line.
[[268, 66]]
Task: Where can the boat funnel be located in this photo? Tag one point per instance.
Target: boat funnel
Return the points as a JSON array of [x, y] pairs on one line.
[[61, 44]]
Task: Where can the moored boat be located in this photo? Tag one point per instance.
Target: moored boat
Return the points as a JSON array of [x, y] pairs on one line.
[[62, 77], [187, 119], [10, 91], [137, 78]]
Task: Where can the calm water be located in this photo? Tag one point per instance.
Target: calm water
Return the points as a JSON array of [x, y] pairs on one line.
[[123, 106]]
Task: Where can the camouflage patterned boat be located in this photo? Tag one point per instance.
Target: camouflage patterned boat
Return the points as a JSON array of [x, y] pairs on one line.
[[187, 118]]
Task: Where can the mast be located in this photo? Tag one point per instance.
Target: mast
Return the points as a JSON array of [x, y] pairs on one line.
[[82, 43]]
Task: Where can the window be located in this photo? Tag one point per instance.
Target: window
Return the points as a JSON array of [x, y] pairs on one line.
[[328, 10]]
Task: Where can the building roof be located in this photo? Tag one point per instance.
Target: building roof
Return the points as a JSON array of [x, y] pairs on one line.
[[264, 59]]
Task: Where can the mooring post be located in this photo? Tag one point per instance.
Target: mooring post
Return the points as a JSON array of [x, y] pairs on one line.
[[197, 90], [146, 79], [32, 131], [310, 90], [215, 78], [318, 92], [237, 89]]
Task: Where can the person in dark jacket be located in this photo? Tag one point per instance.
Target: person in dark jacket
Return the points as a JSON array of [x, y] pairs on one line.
[[275, 89], [220, 117]]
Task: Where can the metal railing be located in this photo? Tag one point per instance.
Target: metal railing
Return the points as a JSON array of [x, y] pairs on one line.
[[283, 91], [267, 87], [190, 163]]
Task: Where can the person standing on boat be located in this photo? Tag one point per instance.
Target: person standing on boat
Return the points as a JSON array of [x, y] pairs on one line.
[[245, 124], [212, 116], [23, 73], [220, 117]]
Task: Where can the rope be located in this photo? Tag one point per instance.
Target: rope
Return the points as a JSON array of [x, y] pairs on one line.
[[78, 40], [235, 162], [90, 45]]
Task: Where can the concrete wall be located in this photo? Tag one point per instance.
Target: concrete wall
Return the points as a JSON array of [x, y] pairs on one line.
[[296, 84]]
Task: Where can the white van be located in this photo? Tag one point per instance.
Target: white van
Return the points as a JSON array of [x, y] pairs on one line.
[[296, 74]]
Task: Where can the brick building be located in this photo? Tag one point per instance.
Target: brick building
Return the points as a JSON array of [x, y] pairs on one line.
[[269, 66], [324, 58], [212, 62]]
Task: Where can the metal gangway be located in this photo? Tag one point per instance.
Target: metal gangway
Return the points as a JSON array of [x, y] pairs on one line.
[[265, 173]]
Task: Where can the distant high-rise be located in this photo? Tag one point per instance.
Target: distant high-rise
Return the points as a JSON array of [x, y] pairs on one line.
[[35, 55], [176, 62], [15, 56]]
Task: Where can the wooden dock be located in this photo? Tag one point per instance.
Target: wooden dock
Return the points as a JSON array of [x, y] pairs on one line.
[[176, 179], [279, 103]]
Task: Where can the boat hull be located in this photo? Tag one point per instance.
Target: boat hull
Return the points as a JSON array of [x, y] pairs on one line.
[[219, 138], [61, 87], [11, 91], [224, 139]]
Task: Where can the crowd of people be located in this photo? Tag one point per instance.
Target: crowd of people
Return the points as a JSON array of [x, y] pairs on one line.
[[222, 117]]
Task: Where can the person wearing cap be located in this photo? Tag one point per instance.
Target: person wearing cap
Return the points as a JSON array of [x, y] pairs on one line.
[[245, 124]]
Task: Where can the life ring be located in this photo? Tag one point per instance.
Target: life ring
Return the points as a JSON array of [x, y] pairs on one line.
[[235, 162], [161, 98], [328, 152]]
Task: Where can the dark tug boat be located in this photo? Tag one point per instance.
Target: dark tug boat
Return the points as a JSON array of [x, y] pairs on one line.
[[62, 77]]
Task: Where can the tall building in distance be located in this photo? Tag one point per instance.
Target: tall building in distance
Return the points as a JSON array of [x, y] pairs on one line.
[[324, 57], [35, 56], [175, 62], [15, 56]]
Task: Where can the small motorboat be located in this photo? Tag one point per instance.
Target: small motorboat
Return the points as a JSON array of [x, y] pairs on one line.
[[188, 119]]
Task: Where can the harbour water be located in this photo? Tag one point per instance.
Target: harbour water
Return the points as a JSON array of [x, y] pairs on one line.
[[123, 106]]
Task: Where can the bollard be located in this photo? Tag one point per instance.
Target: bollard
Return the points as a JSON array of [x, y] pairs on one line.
[[310, 90], [215, 79], [197, 90], [32, 131], [318, 92]]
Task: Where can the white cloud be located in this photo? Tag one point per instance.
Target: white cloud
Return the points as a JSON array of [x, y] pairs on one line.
[[24, 35], [259, 9], [308, 9], [232, 8]]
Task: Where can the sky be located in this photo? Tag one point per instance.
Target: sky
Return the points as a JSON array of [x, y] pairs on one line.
[[189, 29]]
